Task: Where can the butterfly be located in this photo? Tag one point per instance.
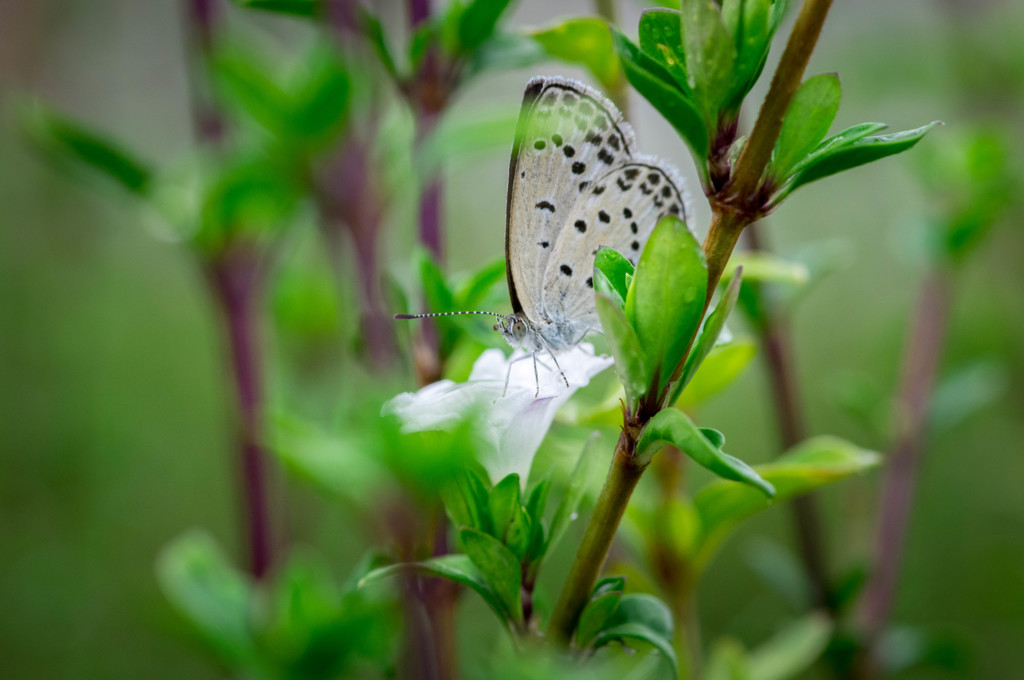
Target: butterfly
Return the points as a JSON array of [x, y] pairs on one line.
[[575, 184]]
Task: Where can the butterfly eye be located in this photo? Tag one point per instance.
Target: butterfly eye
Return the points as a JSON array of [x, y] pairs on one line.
[[518, 330]]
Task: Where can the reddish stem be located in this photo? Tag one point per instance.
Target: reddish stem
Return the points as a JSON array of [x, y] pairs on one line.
[[924, 352], [235, 283]]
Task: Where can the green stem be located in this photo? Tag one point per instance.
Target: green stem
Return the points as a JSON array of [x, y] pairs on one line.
[[750, 166], [618, 487]]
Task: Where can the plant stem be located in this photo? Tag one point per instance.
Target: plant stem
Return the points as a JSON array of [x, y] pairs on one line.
[[777, 342], [923, 354], [234, 280], [756, 153], [734, 208], [611, 505], [235, 283], [618, 92]]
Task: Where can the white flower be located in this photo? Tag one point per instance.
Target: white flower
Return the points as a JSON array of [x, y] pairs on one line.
[[513, 426]]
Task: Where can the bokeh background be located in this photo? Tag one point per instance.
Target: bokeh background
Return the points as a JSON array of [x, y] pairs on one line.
[[116, 416]]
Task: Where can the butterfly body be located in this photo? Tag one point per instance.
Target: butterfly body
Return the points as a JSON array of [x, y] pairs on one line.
[[575, 185]]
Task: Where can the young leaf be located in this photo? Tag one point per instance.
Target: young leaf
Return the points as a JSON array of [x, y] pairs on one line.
[[602, 286], [456, 568], [658, 87], [474, 290], [814, 463], [666, 300], [467, 502], [641, 633], [646, 610], [595, 617], [498, 566], [709, 334], [764, 267], [721, 367], [728, 661], [793, 649], [65, 139], [609, 584], [535, 507], [298, 8], [866, 150], [630, 361], [197, 579], [616, 268], [477, 22], [373, 29], [672, 426], [511, 524], [710, 57], [807, 121], [586, 41], [566, 511], [661, 38]]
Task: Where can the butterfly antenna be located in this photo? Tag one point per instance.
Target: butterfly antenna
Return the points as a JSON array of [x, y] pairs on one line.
[[427, 316]]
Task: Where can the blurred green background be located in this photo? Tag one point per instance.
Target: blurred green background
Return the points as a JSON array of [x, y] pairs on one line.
[[116, 415]]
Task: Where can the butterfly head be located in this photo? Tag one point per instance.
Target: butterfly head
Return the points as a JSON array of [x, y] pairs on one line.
[[513, 329]]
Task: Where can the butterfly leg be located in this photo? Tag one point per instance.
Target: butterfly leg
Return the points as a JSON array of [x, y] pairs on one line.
[[508, 373], [535, 376], [558, 367]]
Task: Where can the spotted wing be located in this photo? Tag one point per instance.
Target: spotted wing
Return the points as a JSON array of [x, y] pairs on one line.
[[619, 210], [568, 136]]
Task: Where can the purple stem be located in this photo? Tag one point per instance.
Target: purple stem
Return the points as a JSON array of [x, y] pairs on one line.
[[419, 11], [777, 342], [234, 280], [201, 27], [235, 283], [924, 351]]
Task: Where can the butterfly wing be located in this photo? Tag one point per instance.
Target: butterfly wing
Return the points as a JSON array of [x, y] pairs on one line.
[[620, 211], [568, 135]]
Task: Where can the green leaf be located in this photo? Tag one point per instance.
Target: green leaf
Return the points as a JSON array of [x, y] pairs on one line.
[[298, 8], [672, 426], [837, 158], [318, 108], [616, 268], [661, 38], [65, 139], [709, 334], [808, 118], [595, 617], [631, 364], [666, 300], [657, 86], [604, 287], [641, 633], [764, 267], [499, 567], [474, 290], [646, 610], [586, 41], [456, 568], [814, 463], [566, 511], [609, 584], [710, 57], [197, 579], [242, 80], [511, 523], [728, 661], [792, 650], [477, 22], [467, 502], [718, 370], [373, 29], [535, 507]]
